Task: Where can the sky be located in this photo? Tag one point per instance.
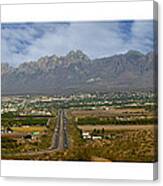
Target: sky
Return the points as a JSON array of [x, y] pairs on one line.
[[23, 42]]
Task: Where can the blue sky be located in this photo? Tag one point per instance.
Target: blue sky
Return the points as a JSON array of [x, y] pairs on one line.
[[23, 42]]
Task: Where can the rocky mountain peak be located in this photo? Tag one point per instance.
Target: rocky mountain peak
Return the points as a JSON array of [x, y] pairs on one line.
[[77, 55], [134, 53], [6, 68], [75, 71]]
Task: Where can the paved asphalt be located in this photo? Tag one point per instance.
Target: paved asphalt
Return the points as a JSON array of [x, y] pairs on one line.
[[60, 138]]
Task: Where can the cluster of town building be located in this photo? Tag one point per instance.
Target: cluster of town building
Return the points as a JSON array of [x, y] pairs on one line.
[[39, 105]]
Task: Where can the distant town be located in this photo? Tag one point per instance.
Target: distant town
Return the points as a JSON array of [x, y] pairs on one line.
[[39, 105]]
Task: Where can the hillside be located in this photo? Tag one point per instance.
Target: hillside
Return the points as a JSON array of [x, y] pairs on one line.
[[76, 72]]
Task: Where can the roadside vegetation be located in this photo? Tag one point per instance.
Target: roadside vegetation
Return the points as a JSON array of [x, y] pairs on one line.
[[26, 136], [112, 121]]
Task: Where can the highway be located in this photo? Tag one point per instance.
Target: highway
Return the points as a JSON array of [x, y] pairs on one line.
[[60, 137]]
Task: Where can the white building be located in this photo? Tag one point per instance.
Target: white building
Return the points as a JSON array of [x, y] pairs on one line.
[[86, 135], [96, 137]]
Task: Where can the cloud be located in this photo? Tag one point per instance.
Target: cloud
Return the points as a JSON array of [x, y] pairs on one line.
[[142, 35], [29, 41]]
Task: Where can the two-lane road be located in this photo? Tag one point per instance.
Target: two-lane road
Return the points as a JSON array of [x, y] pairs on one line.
[[60, 138]]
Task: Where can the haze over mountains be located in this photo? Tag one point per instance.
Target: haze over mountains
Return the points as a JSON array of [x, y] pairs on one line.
[[76, 72]]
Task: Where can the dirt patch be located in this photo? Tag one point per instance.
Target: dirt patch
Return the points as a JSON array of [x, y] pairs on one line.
[[116, 127]]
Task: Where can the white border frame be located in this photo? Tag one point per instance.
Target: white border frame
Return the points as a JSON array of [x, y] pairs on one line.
[[113, 10], [97, 170], [74, 12]]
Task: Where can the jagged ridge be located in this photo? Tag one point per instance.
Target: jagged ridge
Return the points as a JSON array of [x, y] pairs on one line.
[[77, 72]]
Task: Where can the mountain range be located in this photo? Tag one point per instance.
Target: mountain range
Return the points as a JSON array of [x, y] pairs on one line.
[[76, 72]]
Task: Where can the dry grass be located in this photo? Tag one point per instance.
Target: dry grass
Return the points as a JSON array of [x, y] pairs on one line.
[[127, 146], [99, 159], [115, 127], [29, 129], [104, 113]]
